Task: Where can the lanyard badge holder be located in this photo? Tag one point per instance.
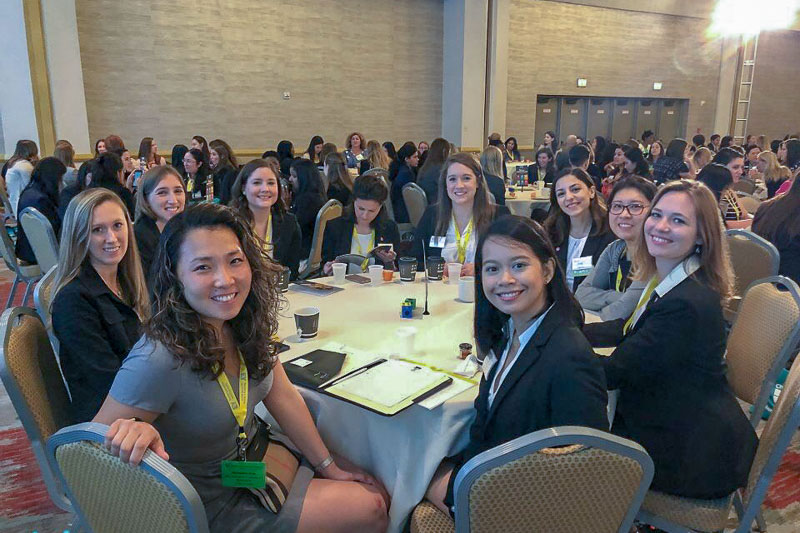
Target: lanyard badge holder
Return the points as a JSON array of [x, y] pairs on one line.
[[240, 473], [462, 240]]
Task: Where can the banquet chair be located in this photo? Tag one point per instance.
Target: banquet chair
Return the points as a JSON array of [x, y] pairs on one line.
[[593, 481], [765, 334], [752, 258], [745, 186], [32, 378], [683, 515], [331, 210], [42, 298], [8, 210], [41, 236], [28, 274], [750, 203], [110, 495], [416, 202]]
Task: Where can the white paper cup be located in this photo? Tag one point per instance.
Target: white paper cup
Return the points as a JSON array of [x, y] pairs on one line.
[[453, 273], [405, 339], [376, 274], [466, 289], [339, 272]]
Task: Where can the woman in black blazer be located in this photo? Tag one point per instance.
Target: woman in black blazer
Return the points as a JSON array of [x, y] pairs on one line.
[[223, 164], [309, 197], [451, 228], [577, 224], [668, 364], [538, 371], [257, 196], [100, 297], [340, 184], [362, 226], [405, 168], [41, 194], [544, 169], [160, 196]]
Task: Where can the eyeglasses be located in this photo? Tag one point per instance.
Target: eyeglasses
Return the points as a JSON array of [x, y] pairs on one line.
[[634, 209]]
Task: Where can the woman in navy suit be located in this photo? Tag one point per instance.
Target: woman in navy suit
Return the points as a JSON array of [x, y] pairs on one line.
[[668, 364], [538, 371]]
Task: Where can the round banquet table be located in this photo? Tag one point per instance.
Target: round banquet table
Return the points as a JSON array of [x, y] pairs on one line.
[[522, 204], [403, 450]]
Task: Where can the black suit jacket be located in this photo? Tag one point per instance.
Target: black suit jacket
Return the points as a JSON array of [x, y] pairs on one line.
[[428, 180], [287, 242], [223, 183], [555, 381], [404, 176], [497, 187], [339, 235], [427, 228], [674, 396], [147, 236], [35, 198], [549, 175], [305, 209], [95, 330], [595, 244]]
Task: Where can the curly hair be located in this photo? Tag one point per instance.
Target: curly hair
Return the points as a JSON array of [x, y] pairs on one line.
[[176, 325]]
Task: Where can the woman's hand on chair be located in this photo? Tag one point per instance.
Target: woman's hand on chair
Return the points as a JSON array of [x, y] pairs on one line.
[[327, 268], [128, 439]]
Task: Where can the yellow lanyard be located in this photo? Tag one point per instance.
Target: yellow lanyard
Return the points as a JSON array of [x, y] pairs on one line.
[[462, 240], [619, 285], [541, 174], [238, 408], [362, 252], [734, 204], [648, 291]]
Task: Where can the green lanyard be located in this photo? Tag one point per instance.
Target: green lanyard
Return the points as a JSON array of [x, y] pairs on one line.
[[462, 240], [360, 251], [648, 291], [238, 408]]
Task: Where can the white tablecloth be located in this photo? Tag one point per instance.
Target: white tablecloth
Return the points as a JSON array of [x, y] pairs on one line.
[[402, 451], [522, 204]]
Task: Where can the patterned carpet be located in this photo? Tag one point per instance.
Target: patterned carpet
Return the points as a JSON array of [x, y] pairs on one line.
[[25, 506]]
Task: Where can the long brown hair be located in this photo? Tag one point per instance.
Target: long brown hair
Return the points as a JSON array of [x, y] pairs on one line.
[[715, 269], [238, 198], [557, 223], [482, 209], [177, 326], [225, 153], [376, 157]]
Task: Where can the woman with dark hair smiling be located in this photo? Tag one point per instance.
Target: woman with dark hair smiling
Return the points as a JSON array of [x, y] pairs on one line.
[[257, 197], [215, 312], [355, 145], [538, 371], [148, 150], [196, 175], [198, 142], [42, 195], [511, 152], [577, 224], [550, 141], [544, 169], [161, 195], [223, 164], [99, 147], [308, 199]]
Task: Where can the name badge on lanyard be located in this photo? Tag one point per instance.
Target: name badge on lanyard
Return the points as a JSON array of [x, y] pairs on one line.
[[581, 266], [437, 241]]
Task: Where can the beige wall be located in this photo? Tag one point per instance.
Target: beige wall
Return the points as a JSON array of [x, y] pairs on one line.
[[172, 70], [621, 53], [775, 106]]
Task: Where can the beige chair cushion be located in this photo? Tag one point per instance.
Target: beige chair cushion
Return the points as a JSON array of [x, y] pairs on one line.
[[427, 518], [750, 262], [765, 321], [115, 496], [700, 515]]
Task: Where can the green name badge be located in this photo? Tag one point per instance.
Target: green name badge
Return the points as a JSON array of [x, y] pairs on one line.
[[244, 474]]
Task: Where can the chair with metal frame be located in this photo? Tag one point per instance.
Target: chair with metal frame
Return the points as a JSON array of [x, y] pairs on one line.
[[110, 495], [41, 237], [752, 258], [42, 299], [32, 378], [28, 274], [560, 479], [331, 210], [685, 515], [764, 336], [416, 202]]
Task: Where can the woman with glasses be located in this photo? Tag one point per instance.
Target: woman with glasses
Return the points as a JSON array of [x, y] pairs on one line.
[[608, 289], [196, 174]]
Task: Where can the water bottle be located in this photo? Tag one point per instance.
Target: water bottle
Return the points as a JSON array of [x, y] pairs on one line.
[[210, 190]]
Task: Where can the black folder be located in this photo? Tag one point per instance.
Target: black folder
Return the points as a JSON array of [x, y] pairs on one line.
[[314, 368]]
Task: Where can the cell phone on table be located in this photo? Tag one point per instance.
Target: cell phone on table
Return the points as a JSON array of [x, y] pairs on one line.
[[280, 347], [386, 247], [358, 278]]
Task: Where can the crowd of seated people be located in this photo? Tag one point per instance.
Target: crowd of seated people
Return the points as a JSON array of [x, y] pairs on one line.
[[634, 233]]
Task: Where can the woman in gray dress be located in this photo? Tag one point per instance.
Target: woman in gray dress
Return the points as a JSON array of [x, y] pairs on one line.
[[215, 311]]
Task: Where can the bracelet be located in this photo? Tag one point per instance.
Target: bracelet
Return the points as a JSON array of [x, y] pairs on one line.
[[324, 464]]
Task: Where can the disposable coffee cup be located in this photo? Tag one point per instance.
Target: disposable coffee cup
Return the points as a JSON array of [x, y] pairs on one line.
[[435, 268], [376, 274], [466, 289], [306, 320], [339, 272], [405, 339], [453, 273], [408, 268], [283, 280]]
